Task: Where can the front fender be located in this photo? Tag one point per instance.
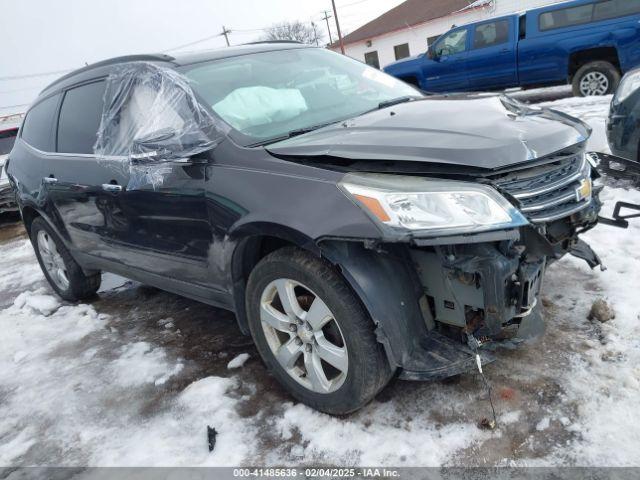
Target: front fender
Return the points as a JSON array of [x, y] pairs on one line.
[[389, 289]]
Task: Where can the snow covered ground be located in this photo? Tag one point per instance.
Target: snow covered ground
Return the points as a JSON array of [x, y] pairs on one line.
[[135, 378]]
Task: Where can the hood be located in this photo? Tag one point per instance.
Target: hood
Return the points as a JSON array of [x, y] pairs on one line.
[[482, 133]]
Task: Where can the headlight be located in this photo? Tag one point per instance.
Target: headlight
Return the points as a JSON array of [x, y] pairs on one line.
[[434, 207], [629, 84]]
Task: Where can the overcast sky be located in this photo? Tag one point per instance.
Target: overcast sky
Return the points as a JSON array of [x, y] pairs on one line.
[[53, 35]]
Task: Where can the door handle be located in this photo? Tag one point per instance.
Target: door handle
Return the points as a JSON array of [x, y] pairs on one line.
[[110, 187], [50, 180]]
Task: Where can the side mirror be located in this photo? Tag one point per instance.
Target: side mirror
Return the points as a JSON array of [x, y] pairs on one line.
[[431, 53], [167, 145]]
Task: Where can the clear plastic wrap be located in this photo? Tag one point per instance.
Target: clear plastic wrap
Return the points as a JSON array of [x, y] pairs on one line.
[[150, 117]]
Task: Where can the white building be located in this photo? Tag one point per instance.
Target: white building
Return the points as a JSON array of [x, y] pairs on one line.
[[408, 28]]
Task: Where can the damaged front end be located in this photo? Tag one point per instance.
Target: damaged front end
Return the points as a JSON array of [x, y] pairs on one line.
[[473, 261]]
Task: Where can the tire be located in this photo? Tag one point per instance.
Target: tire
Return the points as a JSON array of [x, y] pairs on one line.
[[349, 329], [607, 73], [79, 286]]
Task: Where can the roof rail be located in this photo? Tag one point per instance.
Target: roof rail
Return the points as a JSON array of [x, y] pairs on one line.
[[274, 41], [159, 57]]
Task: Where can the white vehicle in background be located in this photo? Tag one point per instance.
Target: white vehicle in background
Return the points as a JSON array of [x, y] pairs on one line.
[[9, 127]]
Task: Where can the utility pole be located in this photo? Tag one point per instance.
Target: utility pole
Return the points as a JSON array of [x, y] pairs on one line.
[[315, 33], [335, 14], [226, 33], [326, 18]]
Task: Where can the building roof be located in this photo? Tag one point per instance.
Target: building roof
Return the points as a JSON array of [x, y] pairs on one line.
[[407, 14]]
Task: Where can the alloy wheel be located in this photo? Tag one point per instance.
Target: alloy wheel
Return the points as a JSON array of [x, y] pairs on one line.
[[52, 260], [594, 84], [304, 336]]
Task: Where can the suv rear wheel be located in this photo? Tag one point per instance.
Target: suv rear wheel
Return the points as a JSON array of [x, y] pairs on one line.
[[60, 269], [596, 79], [313, 333]]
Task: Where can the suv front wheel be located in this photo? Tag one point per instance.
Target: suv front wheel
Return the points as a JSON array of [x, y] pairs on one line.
[[313, 333]]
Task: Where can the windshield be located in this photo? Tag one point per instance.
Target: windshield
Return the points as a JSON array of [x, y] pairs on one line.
[[265, 96]]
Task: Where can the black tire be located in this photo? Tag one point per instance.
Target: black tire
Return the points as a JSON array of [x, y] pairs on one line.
[[368, 369], [81, 286], [605, 68]]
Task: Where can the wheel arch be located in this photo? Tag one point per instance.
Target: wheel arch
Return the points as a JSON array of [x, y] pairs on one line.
[[582, 57], [254, 242]]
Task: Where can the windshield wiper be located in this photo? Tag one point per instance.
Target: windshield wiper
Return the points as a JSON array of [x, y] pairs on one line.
[[397, 101], [293, 133]]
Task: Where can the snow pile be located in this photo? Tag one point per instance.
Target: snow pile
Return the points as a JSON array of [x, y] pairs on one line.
[[37, 302], [140, 363], [18, 267], [177, 435], [238, 361], [377, 436], [592, 110], [604, 381]]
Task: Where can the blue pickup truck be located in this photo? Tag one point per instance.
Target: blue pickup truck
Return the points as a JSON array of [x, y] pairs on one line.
[[586, 43]]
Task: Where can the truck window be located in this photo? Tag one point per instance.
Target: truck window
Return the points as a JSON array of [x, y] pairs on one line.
[[80, 117], [38, 126], [490, 34], [371, 59], [566, 17], [452, 43], [615, 8]]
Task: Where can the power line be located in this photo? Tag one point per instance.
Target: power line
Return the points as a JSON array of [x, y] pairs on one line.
[[195, 42], [34, 75]]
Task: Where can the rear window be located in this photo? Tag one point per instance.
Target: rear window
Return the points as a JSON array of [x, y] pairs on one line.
[[7, 139], [80, 117], [38, 126], [615, 8], [567, 17]]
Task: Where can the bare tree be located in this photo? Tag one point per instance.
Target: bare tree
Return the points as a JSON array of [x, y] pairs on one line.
[[297, 31]]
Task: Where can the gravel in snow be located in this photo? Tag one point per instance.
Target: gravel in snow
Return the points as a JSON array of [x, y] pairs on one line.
[[135, 377]]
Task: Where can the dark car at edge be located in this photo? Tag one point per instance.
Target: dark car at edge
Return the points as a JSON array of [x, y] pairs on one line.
[[357, 229]]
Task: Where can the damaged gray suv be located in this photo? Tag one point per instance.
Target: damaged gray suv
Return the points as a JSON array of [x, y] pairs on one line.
[[358, 229]]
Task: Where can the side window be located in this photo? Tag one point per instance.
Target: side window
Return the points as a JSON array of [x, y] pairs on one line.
[[615, 8], [452, 43], [371, 59], [566, 17], [80, 118], [490, 34], [39, 125], [401, 51]]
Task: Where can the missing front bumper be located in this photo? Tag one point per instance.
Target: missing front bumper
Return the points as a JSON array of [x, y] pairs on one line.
[[479, 289]]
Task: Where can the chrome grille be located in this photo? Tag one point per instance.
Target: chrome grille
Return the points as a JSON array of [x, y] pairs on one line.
[[552, 191]]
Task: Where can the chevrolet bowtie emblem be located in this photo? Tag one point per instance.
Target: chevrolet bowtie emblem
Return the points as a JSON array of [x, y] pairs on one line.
[[584, 191]]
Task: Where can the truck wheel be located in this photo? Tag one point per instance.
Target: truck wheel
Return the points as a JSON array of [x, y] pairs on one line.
[[595, 79], [60, 269], [313, 333]]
